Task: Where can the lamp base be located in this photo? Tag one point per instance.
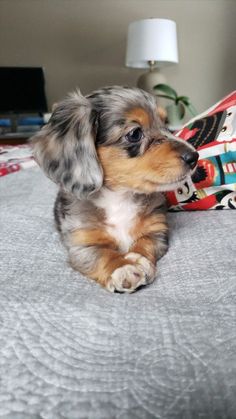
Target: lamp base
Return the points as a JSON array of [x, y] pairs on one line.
[[150, 79]]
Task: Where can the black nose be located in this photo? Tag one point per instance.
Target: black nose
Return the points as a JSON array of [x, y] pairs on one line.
[[191, 158]]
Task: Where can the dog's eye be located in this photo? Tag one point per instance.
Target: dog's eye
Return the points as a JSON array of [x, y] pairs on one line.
[[135, 135]]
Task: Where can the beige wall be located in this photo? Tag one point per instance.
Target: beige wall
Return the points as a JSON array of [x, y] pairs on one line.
[[82, 43]]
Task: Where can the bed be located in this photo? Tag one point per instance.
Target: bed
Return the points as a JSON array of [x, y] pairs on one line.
[[69, 349]]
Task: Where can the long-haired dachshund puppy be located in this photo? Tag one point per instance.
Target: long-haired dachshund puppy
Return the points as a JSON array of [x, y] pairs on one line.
[[112, 158]]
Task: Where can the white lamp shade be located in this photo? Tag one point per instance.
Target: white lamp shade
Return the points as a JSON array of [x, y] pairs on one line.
[[151, 40]]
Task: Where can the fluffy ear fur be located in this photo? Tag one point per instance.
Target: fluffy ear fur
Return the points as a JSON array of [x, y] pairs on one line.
[[65, 147]]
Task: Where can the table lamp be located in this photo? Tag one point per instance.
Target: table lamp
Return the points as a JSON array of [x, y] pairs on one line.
[[152, 44]]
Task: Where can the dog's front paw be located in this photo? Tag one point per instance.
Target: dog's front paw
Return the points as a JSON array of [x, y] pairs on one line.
[[130, 277], [127, 278], [143, 263]]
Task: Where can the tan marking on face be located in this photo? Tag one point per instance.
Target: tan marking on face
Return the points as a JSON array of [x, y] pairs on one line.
[[159, 165], [140, 116]]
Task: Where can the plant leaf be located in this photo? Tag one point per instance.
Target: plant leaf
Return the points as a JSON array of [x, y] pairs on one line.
[[167, 90], [166, 97], [181, 110], [184, 99]]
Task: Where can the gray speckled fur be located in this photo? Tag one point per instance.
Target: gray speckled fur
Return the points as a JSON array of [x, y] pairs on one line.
[[66, 150]]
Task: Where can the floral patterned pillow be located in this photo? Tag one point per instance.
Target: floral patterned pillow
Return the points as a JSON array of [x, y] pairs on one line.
[[213, 185]]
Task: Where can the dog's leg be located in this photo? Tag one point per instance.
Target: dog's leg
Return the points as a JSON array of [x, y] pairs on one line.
[[95, 254], [150, 236], [152, 248], [143, 256], [150, 245]]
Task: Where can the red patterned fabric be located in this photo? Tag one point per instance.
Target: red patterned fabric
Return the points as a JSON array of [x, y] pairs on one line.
[[15, 158], [213, 134]]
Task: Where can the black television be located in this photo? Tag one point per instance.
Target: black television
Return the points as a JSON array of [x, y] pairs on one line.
[[22, 90]]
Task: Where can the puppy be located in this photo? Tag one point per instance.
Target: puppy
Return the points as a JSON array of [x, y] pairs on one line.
[[112, 158]]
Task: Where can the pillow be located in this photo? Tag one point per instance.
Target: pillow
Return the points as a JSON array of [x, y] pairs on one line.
[[213, 134]]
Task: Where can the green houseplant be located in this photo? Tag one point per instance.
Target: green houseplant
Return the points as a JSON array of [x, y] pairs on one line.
[[176, 111]]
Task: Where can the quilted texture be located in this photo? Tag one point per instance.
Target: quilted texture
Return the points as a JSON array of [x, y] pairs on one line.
[[69, 349]]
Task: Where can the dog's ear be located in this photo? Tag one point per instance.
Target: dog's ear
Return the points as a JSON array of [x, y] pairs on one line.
[[161, 112], [65, 147]]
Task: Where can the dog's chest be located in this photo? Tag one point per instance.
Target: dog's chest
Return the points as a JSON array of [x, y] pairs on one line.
[[120, 214]]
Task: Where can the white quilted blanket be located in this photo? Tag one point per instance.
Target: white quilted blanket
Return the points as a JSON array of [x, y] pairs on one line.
[[69, 349]]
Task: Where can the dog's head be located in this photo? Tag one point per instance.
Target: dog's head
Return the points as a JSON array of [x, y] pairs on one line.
[[112, 137]]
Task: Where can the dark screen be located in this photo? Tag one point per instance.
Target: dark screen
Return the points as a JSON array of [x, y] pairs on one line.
[[22, 90]]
